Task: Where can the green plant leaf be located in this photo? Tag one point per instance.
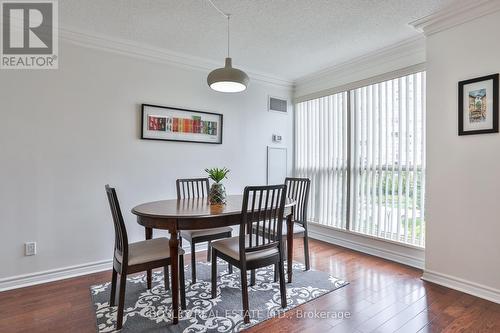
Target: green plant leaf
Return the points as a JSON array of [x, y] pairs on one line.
[[216, 174]]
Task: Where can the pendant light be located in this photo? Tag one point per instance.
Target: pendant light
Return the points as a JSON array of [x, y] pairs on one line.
[[227, 79]]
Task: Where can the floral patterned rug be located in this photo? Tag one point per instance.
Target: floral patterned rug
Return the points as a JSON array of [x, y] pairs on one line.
[[150, 310]]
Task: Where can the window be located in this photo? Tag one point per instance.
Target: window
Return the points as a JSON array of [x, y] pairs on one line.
[[364, 151]]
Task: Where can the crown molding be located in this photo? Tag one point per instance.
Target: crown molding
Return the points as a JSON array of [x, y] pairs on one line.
[[386, 54], [404, 54], [455, 15], [155, 54]]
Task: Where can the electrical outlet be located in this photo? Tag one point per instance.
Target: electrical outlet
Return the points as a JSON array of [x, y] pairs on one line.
[[29, 248]]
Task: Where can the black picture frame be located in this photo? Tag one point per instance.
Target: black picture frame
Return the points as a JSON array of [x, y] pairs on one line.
[[494, 111], [195, 112]]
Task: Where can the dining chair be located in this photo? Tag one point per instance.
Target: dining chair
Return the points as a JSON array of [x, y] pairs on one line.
[[137, 257], [192, 188], [262, 206], [298, 190]]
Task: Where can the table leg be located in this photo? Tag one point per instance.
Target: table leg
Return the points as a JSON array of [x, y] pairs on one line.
[[149, 235], [174, 257], [289, 244]]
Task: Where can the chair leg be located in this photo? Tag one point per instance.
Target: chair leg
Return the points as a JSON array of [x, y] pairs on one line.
[[229, 266], [149, 278], [276, 268], [282, 281], [121, 300], [182, 281], [166, 277], [306, 251], [112, 297], [193, 261], [244, 293], [214, 274], [209, 250], [252, 277]]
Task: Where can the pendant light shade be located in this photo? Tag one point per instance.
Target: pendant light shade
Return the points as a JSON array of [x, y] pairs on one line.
[[228, 79]]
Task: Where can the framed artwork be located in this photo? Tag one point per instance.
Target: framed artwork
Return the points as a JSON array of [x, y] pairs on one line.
[[478, 105], [174, 124]]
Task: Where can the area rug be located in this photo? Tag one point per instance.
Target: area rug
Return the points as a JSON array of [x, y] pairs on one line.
[[150, 310]]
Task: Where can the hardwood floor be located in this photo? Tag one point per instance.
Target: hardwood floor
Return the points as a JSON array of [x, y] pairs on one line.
[[383, 296]]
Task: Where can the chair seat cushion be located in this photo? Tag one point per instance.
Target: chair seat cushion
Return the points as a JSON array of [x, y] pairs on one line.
[[297, 229], [231, 247], [148, 251], [190, 234]]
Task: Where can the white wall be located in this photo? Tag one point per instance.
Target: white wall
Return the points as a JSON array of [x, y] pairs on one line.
[[463, 186], [65, 133]]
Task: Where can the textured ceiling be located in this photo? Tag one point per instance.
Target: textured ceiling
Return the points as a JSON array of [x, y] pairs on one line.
[[285, 38]]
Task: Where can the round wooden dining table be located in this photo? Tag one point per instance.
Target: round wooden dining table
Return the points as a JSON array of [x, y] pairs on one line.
[[196, 213]]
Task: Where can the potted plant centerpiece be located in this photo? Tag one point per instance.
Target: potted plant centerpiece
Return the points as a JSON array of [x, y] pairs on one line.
[[217, 195]]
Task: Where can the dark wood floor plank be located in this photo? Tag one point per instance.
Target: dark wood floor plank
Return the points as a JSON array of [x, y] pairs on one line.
[[382, 296], [417, 323]]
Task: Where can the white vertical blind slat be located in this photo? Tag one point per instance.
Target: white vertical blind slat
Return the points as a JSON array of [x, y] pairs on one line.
[[344, 163], [335, 173], [414, 159], [331, 162], [386, 159], [355, 162], [407, 159], [369, 183], [364, 148], [393, 156], [400, 154], [380, 146]]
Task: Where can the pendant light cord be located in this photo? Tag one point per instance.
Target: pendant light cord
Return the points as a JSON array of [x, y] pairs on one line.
[[228, 39], [228, 16], [217, 8]]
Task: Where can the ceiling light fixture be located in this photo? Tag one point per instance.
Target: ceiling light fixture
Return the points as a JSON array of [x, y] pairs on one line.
[[227, 78]]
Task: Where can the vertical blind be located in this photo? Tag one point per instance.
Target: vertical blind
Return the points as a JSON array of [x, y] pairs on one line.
[[321, 128], [364, 151]]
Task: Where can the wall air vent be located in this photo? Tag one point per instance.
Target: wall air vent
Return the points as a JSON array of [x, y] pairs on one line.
[[277, 104]]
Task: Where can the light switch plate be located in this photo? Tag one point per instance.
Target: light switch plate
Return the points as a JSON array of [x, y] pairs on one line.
[[29, 248], [276, 138]]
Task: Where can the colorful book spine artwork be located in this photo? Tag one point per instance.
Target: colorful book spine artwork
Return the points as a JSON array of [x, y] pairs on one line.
[[182, 125]]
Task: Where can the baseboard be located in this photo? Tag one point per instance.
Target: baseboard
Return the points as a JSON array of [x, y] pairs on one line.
[[326, 235], [31, 279], [462, 285]]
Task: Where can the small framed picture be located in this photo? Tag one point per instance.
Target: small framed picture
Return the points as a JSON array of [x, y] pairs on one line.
[[174, 124], [478, 105]]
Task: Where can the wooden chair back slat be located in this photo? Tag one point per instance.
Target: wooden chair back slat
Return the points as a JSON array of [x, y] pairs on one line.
[[121, 239], [298, 190], [262, 206], [191, 188]]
